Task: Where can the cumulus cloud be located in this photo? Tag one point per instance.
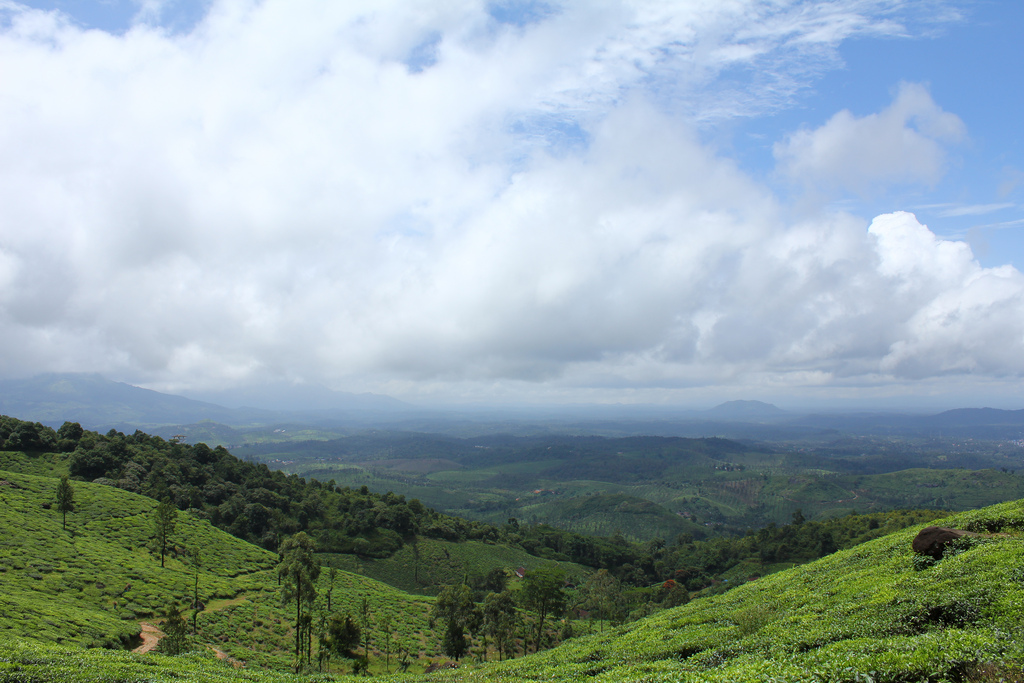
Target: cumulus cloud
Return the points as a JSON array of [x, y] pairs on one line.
[[904, 143], [430, 200]]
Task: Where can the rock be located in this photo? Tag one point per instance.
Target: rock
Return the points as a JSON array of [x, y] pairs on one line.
[[933, 540]]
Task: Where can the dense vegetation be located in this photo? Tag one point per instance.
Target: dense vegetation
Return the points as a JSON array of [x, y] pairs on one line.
[[658, 487], [249, 500], [92, 583], [874, 613], [391, 537]]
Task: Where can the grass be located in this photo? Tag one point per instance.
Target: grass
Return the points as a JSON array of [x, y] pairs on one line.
[[92, 583], [38, 662]]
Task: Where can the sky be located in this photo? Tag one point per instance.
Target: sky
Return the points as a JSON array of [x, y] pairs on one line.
[[678, 203]]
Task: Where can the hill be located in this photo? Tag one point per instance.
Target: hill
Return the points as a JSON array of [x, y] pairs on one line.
[[746, 411], [95, 401], [380, 533], [877, 612], [256, 504], [658, 487], [99, 403], [93, 583]]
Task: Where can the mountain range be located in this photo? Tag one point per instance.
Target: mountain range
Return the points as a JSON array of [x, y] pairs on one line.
[[99, 403]]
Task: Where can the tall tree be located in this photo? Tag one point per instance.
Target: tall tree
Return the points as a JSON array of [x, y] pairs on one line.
[[176, 630], [385, 630], [332, 574], [543, 593], [501, 620], [364, 623], [165, 519], [196, 558], [65, 499], [454, 606], [300, 570], [602, 594]]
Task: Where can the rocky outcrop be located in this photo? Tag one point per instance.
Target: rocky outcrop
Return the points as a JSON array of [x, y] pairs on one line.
[[933, 540]]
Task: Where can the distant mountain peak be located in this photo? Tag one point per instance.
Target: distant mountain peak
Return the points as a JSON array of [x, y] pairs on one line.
[[748, 410]]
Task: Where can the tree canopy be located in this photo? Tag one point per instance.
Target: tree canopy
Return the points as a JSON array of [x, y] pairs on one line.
[[65, 499]]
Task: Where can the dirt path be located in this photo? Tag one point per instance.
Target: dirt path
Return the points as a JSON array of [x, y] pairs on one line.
[[151, 635]]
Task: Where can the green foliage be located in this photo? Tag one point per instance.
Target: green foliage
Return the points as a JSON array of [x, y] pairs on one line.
[[65, 500], [176, 630], [386, 535], [430, 564], [501, 621], [300, 570], [455, 608], [603, 598], [343, 635], [543, 593], [648, 487], [165, 520], [91, 585], [16, 435], [857, 615], [39, 662]]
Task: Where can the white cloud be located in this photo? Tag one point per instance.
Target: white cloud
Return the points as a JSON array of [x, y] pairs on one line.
[[902, 144], [275, 196], [973, 209]]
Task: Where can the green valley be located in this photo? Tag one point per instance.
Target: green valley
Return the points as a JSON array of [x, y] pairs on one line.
[[699, 606], [659, 487]]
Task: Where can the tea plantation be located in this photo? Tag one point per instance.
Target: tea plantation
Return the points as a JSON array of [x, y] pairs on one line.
[[870, 614], [72, 599], [92, 583]]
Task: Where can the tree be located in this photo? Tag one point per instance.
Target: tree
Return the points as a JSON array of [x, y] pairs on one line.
[[674, 594], [342, 636], [176, 632], [165, 518], [364, 623], [454, 606], [542, 592], [602, 593], [501, 620], [385, 628], [68, 436], [70, 430], [65, 499], [332, 574], [196, 558], [300, 570]]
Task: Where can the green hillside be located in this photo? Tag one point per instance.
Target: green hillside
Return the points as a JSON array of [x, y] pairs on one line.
[[431, 563], [92, 583], [874, 613], [653, 487]]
